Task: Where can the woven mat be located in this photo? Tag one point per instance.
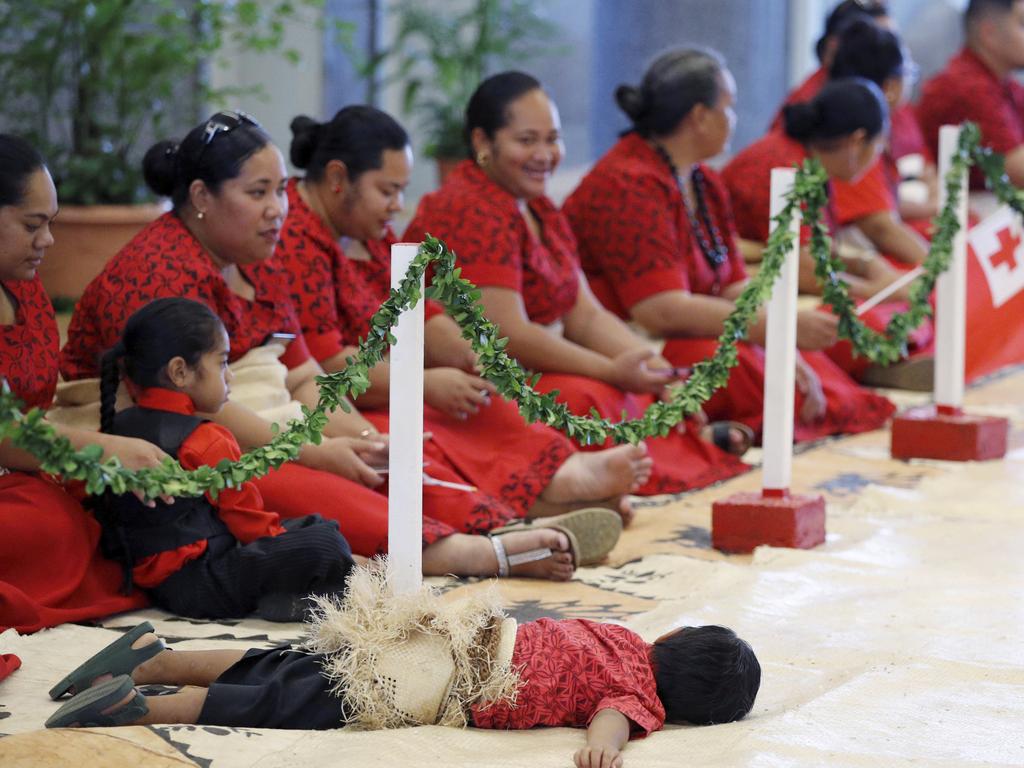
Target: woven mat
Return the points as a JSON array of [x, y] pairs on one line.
[[898, 642]]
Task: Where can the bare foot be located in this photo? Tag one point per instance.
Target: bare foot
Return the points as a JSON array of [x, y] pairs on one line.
[[600, 474]]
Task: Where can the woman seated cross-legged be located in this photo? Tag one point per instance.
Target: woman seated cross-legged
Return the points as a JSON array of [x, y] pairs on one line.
[[658, 243], [51, 569], [511, 241]]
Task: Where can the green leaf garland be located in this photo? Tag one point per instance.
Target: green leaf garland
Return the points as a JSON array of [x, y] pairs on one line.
[[30, 431]]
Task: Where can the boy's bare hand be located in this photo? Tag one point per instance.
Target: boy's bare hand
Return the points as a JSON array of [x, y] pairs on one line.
[[598, 757]]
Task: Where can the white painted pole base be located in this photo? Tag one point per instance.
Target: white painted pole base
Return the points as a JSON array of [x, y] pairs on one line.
[[780, 353], [951, 291], [405, 463]]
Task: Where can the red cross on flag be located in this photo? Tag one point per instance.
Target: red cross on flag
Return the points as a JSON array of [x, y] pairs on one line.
[[995, 293], [996, 244]]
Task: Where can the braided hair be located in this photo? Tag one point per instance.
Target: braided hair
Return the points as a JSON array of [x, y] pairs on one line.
[[152, 337]]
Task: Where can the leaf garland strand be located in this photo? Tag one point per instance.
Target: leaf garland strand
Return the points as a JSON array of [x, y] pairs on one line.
[[30, 431]]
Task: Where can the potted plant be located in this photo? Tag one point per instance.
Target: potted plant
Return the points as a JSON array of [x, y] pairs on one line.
[[92, 82], [441, 57]]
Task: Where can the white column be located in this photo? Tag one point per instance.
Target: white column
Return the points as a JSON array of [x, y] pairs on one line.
[[951, 289], [780, 350], [405, 465]]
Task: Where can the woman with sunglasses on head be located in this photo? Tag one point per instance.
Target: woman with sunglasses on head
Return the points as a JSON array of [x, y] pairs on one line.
[[658, 243], [51, 571], [511, 241], [336, 251], [844, 128], [227, 183]]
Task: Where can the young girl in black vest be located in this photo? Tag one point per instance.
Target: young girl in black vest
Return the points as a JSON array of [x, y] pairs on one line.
[[203, 557]]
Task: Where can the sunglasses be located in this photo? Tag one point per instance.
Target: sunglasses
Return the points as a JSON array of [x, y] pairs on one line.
[[225, 122]]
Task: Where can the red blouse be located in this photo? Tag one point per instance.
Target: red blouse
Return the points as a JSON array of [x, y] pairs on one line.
[[635, 238], [333, 295], [572, 669], [748, 179], [240, 508], [30, 349], [481, 222], [164, 260], [872, 193], [968, 90]]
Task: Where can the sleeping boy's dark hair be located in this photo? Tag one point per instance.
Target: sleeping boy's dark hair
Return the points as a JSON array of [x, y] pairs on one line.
[[152, 337], [705, 675]]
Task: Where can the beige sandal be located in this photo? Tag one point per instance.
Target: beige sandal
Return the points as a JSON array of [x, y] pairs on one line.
[[592, 533]]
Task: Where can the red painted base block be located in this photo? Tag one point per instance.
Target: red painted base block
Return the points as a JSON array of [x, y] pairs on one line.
[[746, 520], [927, 433]]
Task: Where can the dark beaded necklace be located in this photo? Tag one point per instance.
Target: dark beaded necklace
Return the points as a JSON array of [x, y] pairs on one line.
[[716, 254]]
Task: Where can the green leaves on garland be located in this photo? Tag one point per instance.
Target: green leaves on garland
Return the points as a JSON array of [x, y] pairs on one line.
[[32, 433]]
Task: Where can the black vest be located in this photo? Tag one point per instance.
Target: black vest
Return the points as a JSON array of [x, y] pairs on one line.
[[133, 531]]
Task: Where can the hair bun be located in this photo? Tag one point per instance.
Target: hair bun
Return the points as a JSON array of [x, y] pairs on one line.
[[160, 167], [305, 136], [630, 100], [802, 119]]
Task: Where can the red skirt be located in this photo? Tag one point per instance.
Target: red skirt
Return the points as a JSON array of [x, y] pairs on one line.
[[682, 461], [51, 570], [362, 513], [851, 408], [497, 451]]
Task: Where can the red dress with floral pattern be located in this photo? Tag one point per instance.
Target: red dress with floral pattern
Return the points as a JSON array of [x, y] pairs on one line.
[[636, 242], [747, 178], [570, 670], [482, 224], [495, 450], [51, 570], [165, 259]]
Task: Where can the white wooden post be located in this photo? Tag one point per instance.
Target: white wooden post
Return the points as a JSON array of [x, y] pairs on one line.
[[780, 353], [951, 291], [405, 464]]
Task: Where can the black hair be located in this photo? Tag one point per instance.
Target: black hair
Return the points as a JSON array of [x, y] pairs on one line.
[[979, 9], [843, 14], [357, 135], [169, 167], [18, 161], [705, 675], [152, 337], [673, 84], [840, 108], [866, 50], [488, 106]]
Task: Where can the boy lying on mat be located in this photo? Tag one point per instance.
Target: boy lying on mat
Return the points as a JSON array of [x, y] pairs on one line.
[[377, 660]]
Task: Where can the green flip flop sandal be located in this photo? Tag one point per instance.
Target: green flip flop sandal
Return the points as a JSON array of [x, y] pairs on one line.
[[86, 709], [118, 658]]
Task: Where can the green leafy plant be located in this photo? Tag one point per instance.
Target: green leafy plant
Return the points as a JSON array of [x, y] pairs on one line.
[[440, 57], [31, 433], [86, 80]]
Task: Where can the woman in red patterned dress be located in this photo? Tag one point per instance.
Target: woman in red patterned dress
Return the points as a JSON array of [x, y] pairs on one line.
[[335, 249], [227, 183], [511, 241], [658, 243], [50, 567], [843, 126]]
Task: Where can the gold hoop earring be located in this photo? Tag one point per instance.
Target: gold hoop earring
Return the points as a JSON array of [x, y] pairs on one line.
[[482, 158]]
